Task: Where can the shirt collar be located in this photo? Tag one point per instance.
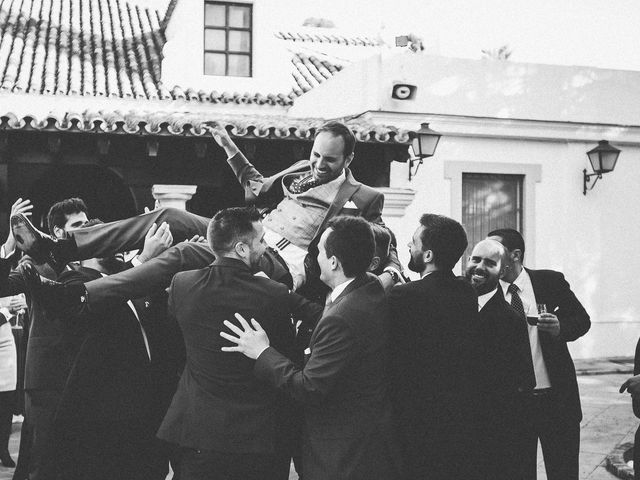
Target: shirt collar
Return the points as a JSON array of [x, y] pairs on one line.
[[523, 282], [483, 299], [339, 289]]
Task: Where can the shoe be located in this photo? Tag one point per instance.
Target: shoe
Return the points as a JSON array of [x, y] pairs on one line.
[[6, 460], [69, 300], [41, 247]]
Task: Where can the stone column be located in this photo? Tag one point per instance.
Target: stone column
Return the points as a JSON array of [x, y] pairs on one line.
[[174, 196]]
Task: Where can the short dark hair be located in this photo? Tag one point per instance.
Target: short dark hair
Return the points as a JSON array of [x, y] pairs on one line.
[[338, 129], [350, 241], [57, 216], [445, 237], [511, 239], [382, 237], [230, 226]]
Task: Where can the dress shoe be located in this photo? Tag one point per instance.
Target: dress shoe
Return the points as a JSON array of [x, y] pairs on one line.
[[63, 299], [42, 247], [6, 460]]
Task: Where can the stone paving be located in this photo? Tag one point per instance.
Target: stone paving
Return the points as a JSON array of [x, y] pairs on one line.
[[608, 419]]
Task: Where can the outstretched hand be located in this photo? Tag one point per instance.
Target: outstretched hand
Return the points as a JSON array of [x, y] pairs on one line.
[[156, 241], [20, 206], [632, 385], [249, 341], [222, 138]]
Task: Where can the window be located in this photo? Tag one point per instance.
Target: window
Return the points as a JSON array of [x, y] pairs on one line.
[[227, 39], [490, 201]]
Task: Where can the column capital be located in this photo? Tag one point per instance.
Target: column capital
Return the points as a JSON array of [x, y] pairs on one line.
[[175, 196]]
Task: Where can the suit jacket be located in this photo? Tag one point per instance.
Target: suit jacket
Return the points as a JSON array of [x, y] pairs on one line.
[[343, 387], [506, 353], [53, 341], [219, 405], [435, 347], [110, 379], [551, 288], [260, 190]]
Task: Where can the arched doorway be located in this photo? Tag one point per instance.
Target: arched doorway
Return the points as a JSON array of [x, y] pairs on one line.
[[104, 192]]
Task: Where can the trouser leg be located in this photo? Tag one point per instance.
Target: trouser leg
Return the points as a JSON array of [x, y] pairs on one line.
[[560, 440], [123, 235], [41, 406], [7, 400], [150, 277]]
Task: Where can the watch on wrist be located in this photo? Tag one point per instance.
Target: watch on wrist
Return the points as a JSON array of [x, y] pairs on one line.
[[394, 275]]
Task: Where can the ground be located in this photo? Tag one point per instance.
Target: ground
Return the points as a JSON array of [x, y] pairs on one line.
[[608, 421]]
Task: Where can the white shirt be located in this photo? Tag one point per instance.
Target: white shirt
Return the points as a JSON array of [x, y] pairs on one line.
[[339, 289], [528, 297], [483, 299]]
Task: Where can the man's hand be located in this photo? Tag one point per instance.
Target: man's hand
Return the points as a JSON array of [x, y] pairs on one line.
[[17, 303], [250, 341], [549, 323], [632, 385], [20, 206], [197, 239], [156, 241], [222, 138]]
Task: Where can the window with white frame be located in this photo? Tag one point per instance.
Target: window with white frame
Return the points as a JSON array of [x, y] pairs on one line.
[[228, 39]]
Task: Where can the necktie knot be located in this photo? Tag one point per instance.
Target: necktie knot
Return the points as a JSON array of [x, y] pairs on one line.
[[513, 288], [303, 183]]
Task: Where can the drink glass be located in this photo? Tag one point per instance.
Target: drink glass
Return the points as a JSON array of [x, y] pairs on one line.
[[542, 308]]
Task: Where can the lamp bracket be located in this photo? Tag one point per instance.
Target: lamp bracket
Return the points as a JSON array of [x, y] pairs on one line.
[[586, 179], [417, 161]]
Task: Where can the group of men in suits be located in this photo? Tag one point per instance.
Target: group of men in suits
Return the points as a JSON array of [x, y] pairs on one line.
[[429, 380]]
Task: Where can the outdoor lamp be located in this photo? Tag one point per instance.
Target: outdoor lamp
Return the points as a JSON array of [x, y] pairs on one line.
[[424, 145], [603, 159]]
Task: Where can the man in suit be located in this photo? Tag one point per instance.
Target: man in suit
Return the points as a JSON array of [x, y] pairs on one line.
[[343, 384], [505, 366], [553, 410], [54, 341], [229, 424], [111, 405], [434, 349], [314, 191]]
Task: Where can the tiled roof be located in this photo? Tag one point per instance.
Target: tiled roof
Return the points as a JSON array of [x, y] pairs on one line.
[[327, 35], [113, 48], [189, 124], [106, 48]]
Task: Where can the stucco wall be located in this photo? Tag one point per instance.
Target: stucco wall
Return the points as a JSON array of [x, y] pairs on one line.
[[592, 239]]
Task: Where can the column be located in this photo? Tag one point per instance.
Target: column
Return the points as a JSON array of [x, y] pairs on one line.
[[174, 196]]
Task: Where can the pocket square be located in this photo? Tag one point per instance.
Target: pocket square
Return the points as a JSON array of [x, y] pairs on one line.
[[350, 204]]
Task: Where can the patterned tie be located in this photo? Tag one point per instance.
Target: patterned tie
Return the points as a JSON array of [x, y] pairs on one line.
[[516, 301], [528, 373], [303, 183]]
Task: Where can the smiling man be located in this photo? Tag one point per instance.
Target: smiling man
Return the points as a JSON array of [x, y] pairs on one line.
[[506, 369]]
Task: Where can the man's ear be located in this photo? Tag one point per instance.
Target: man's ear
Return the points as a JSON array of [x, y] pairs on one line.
[[348, 161], [241, 249], [59, 232], [375, 263], [516, 254], [428, 256]]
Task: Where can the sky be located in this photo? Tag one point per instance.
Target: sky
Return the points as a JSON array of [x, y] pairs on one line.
[[598, 33]]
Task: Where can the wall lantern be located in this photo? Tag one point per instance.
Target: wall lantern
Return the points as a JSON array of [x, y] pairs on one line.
[[424, 145], [603, 159]]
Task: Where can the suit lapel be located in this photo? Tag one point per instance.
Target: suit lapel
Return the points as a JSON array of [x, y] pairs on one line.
[[348, 188], [268, 183]]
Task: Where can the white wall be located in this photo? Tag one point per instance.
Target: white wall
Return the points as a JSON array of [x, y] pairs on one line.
[[183, 53], [592, 239]]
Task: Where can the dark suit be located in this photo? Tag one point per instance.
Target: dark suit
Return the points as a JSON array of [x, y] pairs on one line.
[[109, 409], [506, 371], [101, 240], [555, 418], [435, 346], [343, 388], [53, 342], [226, 420]]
